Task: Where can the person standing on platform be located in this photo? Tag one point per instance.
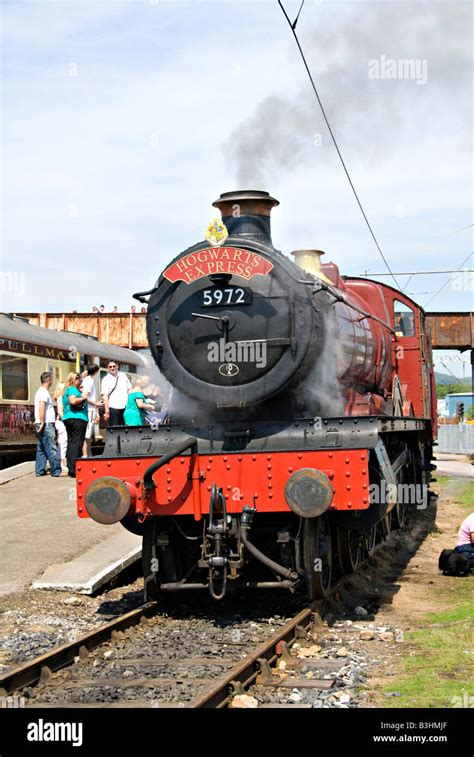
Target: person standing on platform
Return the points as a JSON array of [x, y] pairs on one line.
[[114, 390], [45, 418], [89, 390], [60, 427], [75, 420]]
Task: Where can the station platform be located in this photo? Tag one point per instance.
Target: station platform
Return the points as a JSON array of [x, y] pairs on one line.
[[45, 545]]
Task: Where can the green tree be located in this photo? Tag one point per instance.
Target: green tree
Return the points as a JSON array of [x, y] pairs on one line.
[[443, 389]]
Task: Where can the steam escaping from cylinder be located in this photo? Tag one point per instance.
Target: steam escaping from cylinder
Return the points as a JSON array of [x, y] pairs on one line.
[[322, 390]]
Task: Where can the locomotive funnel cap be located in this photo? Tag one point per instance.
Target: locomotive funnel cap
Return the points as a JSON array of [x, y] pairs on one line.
[[251, 201], [246, 213]]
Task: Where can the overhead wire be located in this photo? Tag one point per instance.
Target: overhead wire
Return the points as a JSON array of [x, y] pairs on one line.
[[458, 380], [461, 229], [414, 273], [448, 280], [292, 26]]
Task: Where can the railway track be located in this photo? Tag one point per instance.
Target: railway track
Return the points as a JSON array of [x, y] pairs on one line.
[[41, 668], [136, 660], [144, 658], [112, 666], [262, 666]]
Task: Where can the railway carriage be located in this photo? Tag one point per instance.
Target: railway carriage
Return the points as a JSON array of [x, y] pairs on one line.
[[302, 419]]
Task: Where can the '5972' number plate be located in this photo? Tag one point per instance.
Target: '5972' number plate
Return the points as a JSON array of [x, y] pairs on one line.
[[226, 296]]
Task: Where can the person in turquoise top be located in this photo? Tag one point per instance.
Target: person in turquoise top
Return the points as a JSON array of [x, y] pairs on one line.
[[138, 404], [79, 408], [75, 420]]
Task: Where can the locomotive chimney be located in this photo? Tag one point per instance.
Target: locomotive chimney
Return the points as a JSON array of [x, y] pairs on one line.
[[310, 261], [247, 214]]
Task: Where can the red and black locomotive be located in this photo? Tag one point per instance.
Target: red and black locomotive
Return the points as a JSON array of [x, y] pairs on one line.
[[301, 424]]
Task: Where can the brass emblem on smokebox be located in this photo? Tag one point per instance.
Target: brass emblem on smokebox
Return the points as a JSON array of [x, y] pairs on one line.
[[228, 369]]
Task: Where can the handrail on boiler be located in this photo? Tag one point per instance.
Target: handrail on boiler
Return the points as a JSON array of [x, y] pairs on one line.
[[341, 298]]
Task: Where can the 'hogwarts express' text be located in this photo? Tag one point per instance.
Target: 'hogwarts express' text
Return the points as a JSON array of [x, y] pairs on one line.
[[217, 260]]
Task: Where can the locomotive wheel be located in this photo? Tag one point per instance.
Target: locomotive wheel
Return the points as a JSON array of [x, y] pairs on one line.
[[399, 515], [317, 546], [349, 549], [386, 524], [400, 511], [130, 523], [159, 563], [370, 541], [170, 561]]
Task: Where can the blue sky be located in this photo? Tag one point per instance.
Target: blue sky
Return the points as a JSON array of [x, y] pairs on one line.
[[123, 121]]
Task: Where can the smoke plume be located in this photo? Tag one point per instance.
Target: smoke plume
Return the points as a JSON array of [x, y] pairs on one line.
[[369, 114]]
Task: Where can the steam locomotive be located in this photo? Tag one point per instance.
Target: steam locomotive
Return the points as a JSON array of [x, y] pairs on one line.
[[302, 419]]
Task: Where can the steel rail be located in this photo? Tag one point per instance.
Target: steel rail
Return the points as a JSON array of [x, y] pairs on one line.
[[30, 672], [246, 671]]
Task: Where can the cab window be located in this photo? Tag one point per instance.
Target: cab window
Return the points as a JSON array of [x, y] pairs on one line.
[[403, 319]]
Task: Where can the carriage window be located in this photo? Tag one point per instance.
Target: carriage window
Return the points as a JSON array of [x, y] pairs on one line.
[[14, 373], [403, 319]]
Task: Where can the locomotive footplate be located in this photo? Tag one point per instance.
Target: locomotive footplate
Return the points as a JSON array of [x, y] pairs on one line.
[[272, 436], [259, 436]]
